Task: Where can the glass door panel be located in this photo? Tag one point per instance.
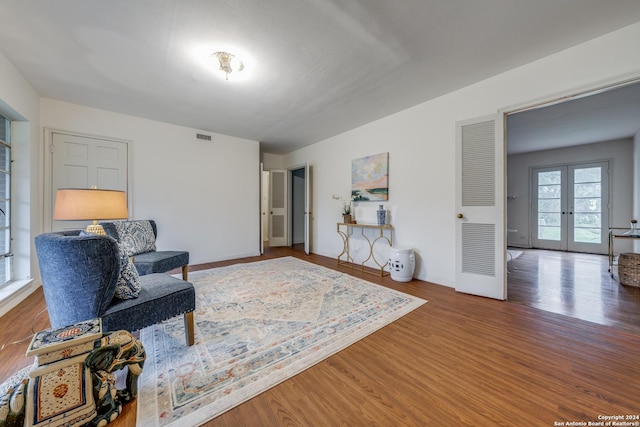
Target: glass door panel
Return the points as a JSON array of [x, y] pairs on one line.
[[550, 205], [590, 185], [549, 208], [570, 207]]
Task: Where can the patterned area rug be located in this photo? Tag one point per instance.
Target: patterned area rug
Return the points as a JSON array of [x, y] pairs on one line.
[[257, 325]]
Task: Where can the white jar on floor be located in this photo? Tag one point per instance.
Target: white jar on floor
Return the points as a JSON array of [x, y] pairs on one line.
[[402, 264]]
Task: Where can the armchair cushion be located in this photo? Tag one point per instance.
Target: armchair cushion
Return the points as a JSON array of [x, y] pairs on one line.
[[161, 297], [160, 262]]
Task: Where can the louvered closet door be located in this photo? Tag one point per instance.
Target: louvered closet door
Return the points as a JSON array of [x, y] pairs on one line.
[[480, 244], [278, 208]]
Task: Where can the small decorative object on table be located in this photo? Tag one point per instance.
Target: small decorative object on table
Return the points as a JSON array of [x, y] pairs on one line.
[[382, 215], [347, 217], [634, 231]]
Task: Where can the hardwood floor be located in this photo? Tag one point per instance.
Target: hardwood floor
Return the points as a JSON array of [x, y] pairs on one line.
[[457, 360], [573, 284]]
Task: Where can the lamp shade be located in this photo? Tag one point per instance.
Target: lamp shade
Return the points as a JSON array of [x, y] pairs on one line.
[[83, 204]]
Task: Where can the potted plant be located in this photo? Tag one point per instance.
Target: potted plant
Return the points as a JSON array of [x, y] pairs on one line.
[[346, 213], [347, 217]]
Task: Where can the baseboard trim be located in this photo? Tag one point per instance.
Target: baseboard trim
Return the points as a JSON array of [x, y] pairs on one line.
[[15, 292]]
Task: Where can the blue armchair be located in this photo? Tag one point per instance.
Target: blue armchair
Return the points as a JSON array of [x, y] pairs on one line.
[[79, 276], [139, 237]]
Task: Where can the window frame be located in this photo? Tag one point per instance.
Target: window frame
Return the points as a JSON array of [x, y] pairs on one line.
[[6, 252]]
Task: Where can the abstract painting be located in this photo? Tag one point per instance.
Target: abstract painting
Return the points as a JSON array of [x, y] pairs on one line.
[[370, 178]]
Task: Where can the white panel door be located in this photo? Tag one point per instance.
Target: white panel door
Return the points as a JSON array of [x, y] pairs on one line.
[[264, 200], [480, 216], [307, 209], [278, 225], [82, 162]]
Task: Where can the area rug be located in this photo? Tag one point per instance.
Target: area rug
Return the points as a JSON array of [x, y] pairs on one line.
[[257, 325]]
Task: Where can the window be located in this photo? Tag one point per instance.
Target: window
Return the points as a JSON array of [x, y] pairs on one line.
[[5, 200]]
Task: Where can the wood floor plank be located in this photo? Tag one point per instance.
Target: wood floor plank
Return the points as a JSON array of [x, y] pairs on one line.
[[457, 360]]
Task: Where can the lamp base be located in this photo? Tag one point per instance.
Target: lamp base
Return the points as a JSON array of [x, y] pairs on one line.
[[95, 228]]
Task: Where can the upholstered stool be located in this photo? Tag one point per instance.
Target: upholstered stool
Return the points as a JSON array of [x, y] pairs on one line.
[[73, 382]]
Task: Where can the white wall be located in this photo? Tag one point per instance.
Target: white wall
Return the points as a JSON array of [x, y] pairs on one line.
[[203, 195], [420, 142], [19, 102], [272, 161], [620, 155]]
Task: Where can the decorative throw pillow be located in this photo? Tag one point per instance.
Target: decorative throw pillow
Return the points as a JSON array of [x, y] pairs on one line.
[[136, 236], [128, 285]]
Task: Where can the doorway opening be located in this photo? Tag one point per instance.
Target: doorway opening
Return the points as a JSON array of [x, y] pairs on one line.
[[285, 208], [570, 174], [298, 188]]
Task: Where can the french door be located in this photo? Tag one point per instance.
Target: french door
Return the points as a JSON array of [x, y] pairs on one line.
[[571, 207]]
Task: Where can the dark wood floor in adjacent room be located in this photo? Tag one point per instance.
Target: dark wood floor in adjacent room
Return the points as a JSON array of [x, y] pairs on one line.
[[457, 360], [574, 284]]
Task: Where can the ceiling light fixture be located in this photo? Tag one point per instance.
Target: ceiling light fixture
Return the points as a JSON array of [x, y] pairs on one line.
[[228, 63]]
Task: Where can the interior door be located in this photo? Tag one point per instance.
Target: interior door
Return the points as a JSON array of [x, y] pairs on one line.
[[264, 199], [480, 211], [307, 209], [571, 207], [82, 162], [278, 234]]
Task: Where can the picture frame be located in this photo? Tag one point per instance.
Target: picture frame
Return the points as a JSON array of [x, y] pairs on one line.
[[370, 178]]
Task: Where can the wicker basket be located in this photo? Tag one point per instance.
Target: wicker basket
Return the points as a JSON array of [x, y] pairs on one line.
[[629, 269]]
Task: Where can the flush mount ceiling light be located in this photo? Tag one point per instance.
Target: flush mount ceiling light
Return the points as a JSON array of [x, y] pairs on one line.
[[228, 63]]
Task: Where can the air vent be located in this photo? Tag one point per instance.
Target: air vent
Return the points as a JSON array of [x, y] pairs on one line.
[[203, 137]]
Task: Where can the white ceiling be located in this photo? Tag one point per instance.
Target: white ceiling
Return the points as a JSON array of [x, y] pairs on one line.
[[314, 68], [604, 116]]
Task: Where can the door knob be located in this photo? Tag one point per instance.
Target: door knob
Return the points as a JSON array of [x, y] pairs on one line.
[[460, 216]]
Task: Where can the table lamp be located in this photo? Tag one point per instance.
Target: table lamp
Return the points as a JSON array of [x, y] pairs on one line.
[[90, 204]]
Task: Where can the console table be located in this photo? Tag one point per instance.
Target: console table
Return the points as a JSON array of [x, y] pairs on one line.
[[617, 235], [381, 234]]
